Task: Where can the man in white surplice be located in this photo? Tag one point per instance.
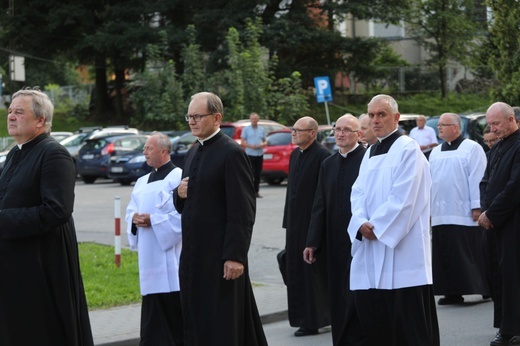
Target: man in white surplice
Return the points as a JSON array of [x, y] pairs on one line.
[[154, 230], [391, 274]]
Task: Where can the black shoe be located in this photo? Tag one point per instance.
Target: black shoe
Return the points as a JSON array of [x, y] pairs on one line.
[[451, 299], [502, 340], [305, 331], [486, 297], [258, 195]]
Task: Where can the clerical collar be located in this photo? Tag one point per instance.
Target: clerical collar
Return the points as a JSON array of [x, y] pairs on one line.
[[202, 141], [453, 145], [348, 152], [307, 149], [163, 167], [45, 134], [380, 139]]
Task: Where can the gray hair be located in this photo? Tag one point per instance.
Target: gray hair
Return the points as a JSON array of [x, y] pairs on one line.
[[163, 141], [392, 103], [41, 104]]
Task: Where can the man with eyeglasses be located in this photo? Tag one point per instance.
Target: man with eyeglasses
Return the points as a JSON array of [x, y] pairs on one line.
[[216, 200], [330, 217], [500, 203], [392, 300], [307, 285], [458, 265]]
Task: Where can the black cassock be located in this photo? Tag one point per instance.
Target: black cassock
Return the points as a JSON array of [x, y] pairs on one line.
[[307, 285], [500, 199], [328, 227], [42, 299], [217, 224]]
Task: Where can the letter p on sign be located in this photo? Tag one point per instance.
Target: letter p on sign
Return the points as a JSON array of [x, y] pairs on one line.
[[323, 89]]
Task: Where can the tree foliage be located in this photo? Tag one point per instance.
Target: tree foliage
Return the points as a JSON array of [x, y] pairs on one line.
[[446, 29], [505, 57]]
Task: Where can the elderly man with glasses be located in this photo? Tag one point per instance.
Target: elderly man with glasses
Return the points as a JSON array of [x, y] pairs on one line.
[[458, 266], [331, 215], [307, 285]]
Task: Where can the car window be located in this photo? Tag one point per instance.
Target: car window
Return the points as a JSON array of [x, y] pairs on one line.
[[74, 140], [280, 138], [132, 143], [228, 130], [94, 145]]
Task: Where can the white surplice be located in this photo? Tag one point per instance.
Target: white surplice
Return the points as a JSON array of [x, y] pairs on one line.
[[456, 177], [159, 246], [392, 192]]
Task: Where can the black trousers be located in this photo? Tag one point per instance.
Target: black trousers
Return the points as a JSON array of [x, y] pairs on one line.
[[161, 320], [256, 165], [399, 317]]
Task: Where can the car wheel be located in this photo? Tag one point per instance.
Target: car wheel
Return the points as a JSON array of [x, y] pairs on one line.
[[125, 182], [88, 179], [274, 181]]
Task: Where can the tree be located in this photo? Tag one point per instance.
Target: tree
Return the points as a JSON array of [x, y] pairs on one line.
[[156, 93], [288, 100], [505, 57], [193, 75], [446, 29]]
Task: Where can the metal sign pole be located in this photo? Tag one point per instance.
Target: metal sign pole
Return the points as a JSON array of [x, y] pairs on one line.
[[327, 112]]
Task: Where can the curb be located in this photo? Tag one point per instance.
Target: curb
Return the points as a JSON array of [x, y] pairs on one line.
[[266, 319]]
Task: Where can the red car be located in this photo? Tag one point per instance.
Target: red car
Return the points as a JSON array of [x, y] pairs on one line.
[[276, 156], [234, 129]]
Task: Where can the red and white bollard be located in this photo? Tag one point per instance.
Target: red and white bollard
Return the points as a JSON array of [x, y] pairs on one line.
[[117, 240]]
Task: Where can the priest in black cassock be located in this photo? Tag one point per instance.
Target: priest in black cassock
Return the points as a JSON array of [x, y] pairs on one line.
[[42, 299], [331, 215], [500, 202], [307, 285], [216, 199]]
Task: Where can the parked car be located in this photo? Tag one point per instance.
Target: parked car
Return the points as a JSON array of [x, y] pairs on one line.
[[60, 135], [180, 146], [3, 155], [74, 142], [472, 127], [276, 156], [407, 122], [127, 162], [125, 166], [93, 157], [234, 129]]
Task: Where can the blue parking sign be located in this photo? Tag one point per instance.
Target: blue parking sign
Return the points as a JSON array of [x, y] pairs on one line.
[[323, 89]]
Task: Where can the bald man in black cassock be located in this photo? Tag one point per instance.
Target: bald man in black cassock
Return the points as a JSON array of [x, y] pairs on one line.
[[331, 215], [307, 286]]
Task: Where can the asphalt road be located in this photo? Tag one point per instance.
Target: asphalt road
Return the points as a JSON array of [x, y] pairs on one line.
[[469, 324]]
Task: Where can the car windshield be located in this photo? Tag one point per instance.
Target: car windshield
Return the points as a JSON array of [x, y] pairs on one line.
[[280, 138]]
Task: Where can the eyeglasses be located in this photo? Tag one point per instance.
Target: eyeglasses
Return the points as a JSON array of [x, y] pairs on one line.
[[343, 130], [444, 125], [195, 117], [299, 130]]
